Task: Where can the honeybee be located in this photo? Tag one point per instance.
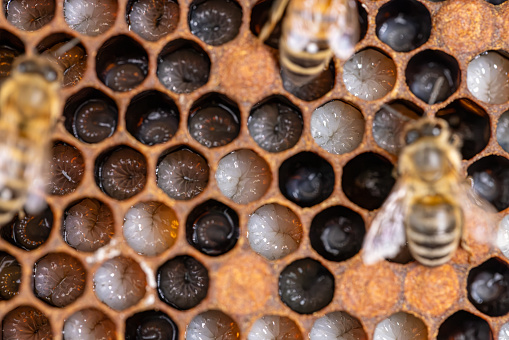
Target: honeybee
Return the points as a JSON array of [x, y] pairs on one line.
[[430, 203], [312, 31]]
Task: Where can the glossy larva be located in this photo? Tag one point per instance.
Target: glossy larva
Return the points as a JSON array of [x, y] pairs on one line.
[[274, 231], [73, 62], [337, 127], [29, 15], [150, 325], [31, 231], [89, 324], [504, 332], [66, 169], [503, 131], [274, 327], [212, 325], [401, 326], [243, 176], [10, 276], [90, 17], [150, 228], [213, 126], [488, 77], [338, 326], [94, 121], [153, 19], [503, 236], [26, 323]]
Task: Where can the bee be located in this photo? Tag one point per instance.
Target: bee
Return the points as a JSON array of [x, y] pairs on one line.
[[312, 31], [430, 203]]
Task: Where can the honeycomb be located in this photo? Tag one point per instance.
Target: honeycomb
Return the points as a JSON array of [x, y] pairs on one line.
[[239, 73]]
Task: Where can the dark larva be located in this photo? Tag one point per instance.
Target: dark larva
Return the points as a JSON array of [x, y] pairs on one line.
[[89, 324], [94, 121], [73, 62], [29, 15], [150, 325], [66, 169], [213, 126], [90, 17], [312, 89], [157, 126], [30, 232], [26, 323], [124, 77], [10, 276], [153, 19]]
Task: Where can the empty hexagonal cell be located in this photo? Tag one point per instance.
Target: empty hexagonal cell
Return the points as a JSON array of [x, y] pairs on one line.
[[470, 122], [120, 283], [463, 325], [90, 115], [214, 120], [367, 180], [29, 15], [26, 323], [491, 179], [337, 127], [212, 228], [88, 225], [309, 89], [59, 279], [183, 66], [89, 324], [337, 233], [403, 25], [275, 124], [432, 76], [31, 231], [10, 47], [488, 77], [150, 228], [152, 117], [215, 22], [150, 324], [212, 324], [337, 325], [10, 276], [306, 179], [274, 231], [369, 74], [503, 131], [66, 169], [121, 172], [151, 19], [401, 326], [121, 63], [271, 327], [243, 176], [90, 17]]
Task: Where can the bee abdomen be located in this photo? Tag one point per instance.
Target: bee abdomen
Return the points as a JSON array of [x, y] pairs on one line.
[[307, 63]]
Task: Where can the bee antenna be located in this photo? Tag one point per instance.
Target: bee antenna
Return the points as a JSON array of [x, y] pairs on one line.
[[66, 47], [434, 92], [392, 110]]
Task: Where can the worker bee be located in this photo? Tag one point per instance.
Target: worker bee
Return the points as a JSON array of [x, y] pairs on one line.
[[312, 31], [430, 203]]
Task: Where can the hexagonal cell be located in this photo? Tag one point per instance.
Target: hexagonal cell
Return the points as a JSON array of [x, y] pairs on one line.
[[463, 325], [270, 327], [337, 325], [401, 326], [10, 276], [215, 22], [337, 233], [152, 20], [88, 225], [150, 324], [275, 124], [121, 172], [274, 231], [212, 324], [66, 169], [367, 180], [337, 127], [309, 89], [183, 66], [90, 115], [26, 322], [491, 180], [29, 15], [470, 122], [10, 47], [306, 179], [88, 324], [496, 2], [432, 76], [150, 228], [121, 63], [90, 17], [363, 20], [212, 228], [59, 279], [152, 117], [29, 232], [369, 74], [214, 120], [488, 77], [503, 131], [403, 25]]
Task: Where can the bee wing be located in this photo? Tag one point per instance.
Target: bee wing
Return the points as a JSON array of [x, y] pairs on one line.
[[345, 31], [386, 235], [276, 12]]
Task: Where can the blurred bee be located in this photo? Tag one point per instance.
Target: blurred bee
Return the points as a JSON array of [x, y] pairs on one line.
[[313, 30], [430, 202]]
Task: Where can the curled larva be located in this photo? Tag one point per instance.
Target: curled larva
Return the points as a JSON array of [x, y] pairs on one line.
[[213, 126], [243, 176], [150, 325], [89, 324], [153, 19], [339, 326], [59, 279], [73, 62], [7, 56], [503, 131], [150, 228], [120, 283], [275, 126], [125, 76], [503, 236], [66, 169], [401, 326], [337, 127], [312, 89], [212, 325], [90, 17], [157, 126], [94, 121], [182, 174], [274, 327], [29, 15], [488, 77], [369, 74], [504, 332], [274, 231], [31, 231], [26, 323], [88, 225], [10, 276]]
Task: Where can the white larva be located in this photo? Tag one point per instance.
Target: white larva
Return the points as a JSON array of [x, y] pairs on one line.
[[212, 325], [90, 17], [401, 326], [274, 327], [337, 326], [337, 127], [488, 77], [503, 236], [369, 74], [504, 332], [150, 228], [503, 131], [274, 231], [89, 324]]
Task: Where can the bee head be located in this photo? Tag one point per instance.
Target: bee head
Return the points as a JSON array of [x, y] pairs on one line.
[[38, 66]]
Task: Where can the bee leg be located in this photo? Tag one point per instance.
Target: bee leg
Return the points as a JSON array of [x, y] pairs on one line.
[[21, 214], [466, 247], [276, 13]]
